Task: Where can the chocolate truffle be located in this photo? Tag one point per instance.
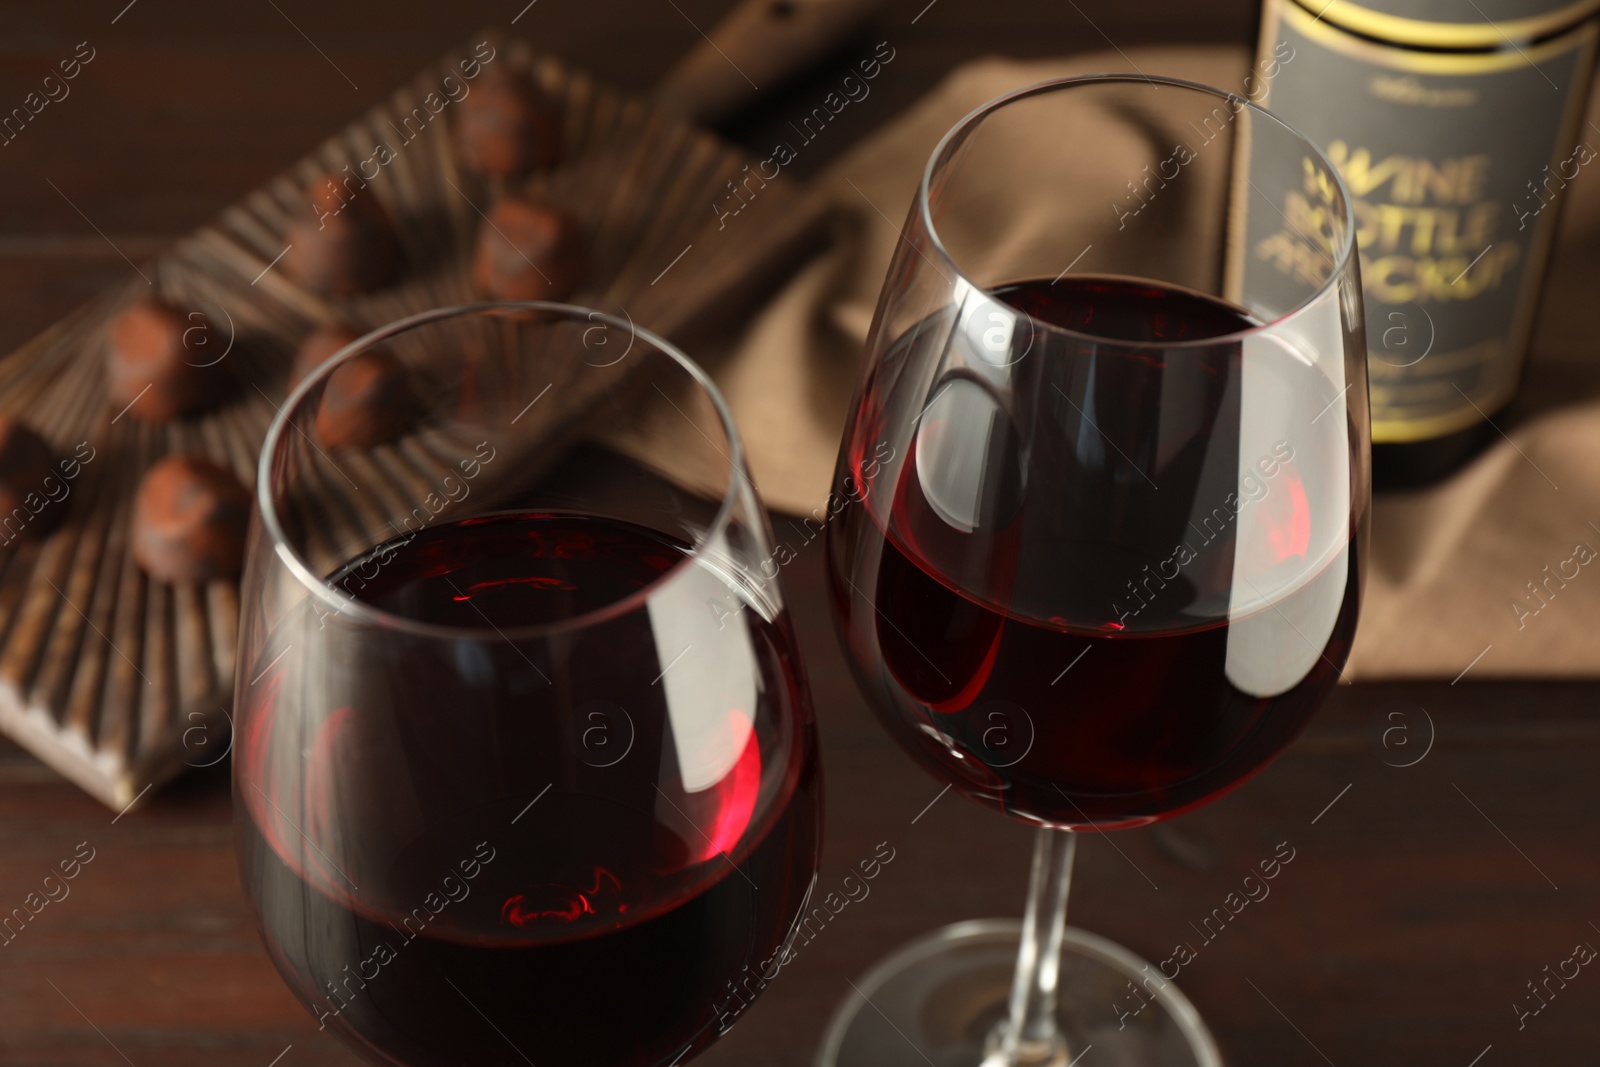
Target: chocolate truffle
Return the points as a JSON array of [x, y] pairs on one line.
[[163, 363], [316, 348], [506, 126], [529, 251], [342, 243], [189, 520], [28, 483], [367, 401]]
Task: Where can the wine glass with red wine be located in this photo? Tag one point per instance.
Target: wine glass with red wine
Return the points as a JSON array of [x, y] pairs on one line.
[[1101, 500], [526, 768]]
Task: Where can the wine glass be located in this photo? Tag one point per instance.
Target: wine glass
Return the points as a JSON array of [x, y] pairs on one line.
[[526, 768], [1101, 504]]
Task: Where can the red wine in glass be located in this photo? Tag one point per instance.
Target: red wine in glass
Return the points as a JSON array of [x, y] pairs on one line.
[[582, 910], [1064, 646], [1098, 513]]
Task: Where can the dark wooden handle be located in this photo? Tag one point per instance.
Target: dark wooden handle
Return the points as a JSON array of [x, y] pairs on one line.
[[758, 46]]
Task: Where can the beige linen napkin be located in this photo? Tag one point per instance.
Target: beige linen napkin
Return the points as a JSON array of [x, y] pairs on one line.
[[1447, 581]]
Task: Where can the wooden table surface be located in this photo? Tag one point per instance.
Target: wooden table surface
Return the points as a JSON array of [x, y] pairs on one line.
[[1418, 905]]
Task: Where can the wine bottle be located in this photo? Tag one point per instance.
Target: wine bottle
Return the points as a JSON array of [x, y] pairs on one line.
[[1456, 139]]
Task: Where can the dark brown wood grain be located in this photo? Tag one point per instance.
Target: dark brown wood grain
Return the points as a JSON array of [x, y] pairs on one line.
[[1401, 934]]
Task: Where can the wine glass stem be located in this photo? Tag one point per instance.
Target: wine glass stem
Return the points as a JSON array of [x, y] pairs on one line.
[[1032, 1036]]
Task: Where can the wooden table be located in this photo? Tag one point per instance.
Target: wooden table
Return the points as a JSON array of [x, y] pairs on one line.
[[1421, 899]]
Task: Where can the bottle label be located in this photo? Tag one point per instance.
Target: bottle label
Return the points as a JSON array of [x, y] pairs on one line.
[[1455, 164], [1438, 24]]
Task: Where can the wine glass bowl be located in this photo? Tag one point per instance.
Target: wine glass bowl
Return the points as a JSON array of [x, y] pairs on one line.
[[1111, 563], [1102, 497], [526, 767]]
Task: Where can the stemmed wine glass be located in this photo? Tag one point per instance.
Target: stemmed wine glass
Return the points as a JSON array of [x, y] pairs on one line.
[[1102, 502], [526, 768]]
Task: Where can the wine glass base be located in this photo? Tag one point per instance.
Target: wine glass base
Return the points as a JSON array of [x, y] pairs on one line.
[[937, 1000]]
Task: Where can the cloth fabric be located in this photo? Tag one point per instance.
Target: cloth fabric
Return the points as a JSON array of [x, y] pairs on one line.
[[1449, 572]]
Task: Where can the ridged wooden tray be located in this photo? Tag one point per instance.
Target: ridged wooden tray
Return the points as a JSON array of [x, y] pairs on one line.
[[119, 681]]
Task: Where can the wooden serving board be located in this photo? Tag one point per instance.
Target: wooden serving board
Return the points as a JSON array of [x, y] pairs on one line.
[[119, 681]]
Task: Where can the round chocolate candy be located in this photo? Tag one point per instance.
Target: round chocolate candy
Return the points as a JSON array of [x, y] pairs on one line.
[[368, 400], [529, 251], [28, 483], [506, 126], [189, 520], [314, 351], [342, 243], [160, 363]]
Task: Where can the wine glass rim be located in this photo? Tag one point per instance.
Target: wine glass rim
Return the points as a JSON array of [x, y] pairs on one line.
[[1341, 258], [349, 607]]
